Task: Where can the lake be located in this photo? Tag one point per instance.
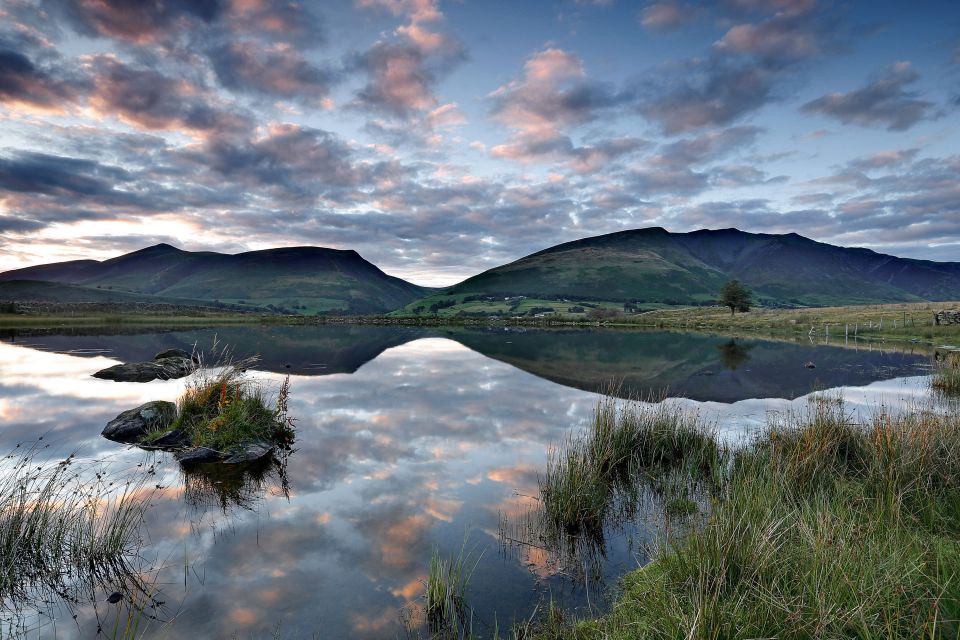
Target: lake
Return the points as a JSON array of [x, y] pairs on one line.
[[408, 441]]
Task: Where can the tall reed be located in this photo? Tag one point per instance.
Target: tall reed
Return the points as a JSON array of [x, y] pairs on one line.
[[627, 444], [946, 374], [60, 527], [445, 597]]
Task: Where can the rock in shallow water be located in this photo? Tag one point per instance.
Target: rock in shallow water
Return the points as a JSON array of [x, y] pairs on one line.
[[198, 455], [167, 365], [172, 439], [249, 452], [174, 353], [244, 453], [133, 424]]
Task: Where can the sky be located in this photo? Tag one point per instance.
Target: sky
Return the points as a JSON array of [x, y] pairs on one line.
[[441, 138]]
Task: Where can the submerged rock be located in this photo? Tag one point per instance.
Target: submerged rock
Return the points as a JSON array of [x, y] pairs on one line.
[[133, 424], [166, 365], [249, 452], [244, 453], [172, 439], [198, 455]]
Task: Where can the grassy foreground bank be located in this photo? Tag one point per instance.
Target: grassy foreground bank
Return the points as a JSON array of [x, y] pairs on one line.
[[818, 528]]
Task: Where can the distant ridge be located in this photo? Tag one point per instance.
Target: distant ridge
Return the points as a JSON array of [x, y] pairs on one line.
[[653, 265], [650, 265], [294, 279]]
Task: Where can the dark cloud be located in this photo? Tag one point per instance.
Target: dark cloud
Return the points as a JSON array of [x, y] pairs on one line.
[[17, 224], [48, 174], [713, 91], [141, 22], [657, 181], [23, 83], [885, 102], [151, 100], [402, 70], [742, 175], [598, 155], [274, 71], [290, 164], [550, 97], [742, 72], [400, 79], [708, 146], [686, 167], [796, 31], [291, 21]]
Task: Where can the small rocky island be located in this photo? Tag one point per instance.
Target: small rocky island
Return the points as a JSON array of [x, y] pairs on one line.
[[222, 416]]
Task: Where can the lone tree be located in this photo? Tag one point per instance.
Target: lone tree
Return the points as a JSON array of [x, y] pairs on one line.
[[736, 296]]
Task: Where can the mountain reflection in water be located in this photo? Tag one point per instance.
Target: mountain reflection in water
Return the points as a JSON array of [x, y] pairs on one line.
[[642, 363], [408, 440]]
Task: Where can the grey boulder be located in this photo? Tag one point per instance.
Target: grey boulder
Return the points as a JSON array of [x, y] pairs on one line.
[[248, 452], [244, 453], [171, 439], [198, 455], [167, 365], [133, 424]]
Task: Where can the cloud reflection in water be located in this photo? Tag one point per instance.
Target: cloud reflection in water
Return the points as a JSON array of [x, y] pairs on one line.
[[419, 447]]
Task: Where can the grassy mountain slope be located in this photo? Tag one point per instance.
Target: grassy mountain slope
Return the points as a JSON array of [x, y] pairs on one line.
[[39, 291], [301, 279], [653, 266]]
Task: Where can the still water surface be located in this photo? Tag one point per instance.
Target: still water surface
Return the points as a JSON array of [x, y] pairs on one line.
[[408, 440]]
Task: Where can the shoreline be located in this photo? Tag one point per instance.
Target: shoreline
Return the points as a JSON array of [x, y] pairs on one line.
[[837, 326]]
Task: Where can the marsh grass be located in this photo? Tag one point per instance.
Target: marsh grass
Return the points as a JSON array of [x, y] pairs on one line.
[[64, 530], [630, 446], [445, 597], [222, 407], [946, 375], [821, 527]]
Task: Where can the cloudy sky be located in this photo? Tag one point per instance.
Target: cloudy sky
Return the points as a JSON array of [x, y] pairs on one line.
[[442, 137]]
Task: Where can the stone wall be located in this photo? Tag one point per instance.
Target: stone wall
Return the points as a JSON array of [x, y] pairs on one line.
[[946, 317]]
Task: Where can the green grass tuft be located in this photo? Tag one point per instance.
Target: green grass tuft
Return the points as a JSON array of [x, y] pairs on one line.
[[592, 476], [445, 598], [223, 408]]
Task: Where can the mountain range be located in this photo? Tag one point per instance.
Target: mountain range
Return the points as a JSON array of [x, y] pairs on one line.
[[655, 266], [641, 266], [294, 279]]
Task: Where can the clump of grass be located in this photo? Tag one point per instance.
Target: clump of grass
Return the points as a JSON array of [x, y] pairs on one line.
[[445, 601], [223, 408], [946, 375], [627, 444], [59, 529], [823, 527]]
